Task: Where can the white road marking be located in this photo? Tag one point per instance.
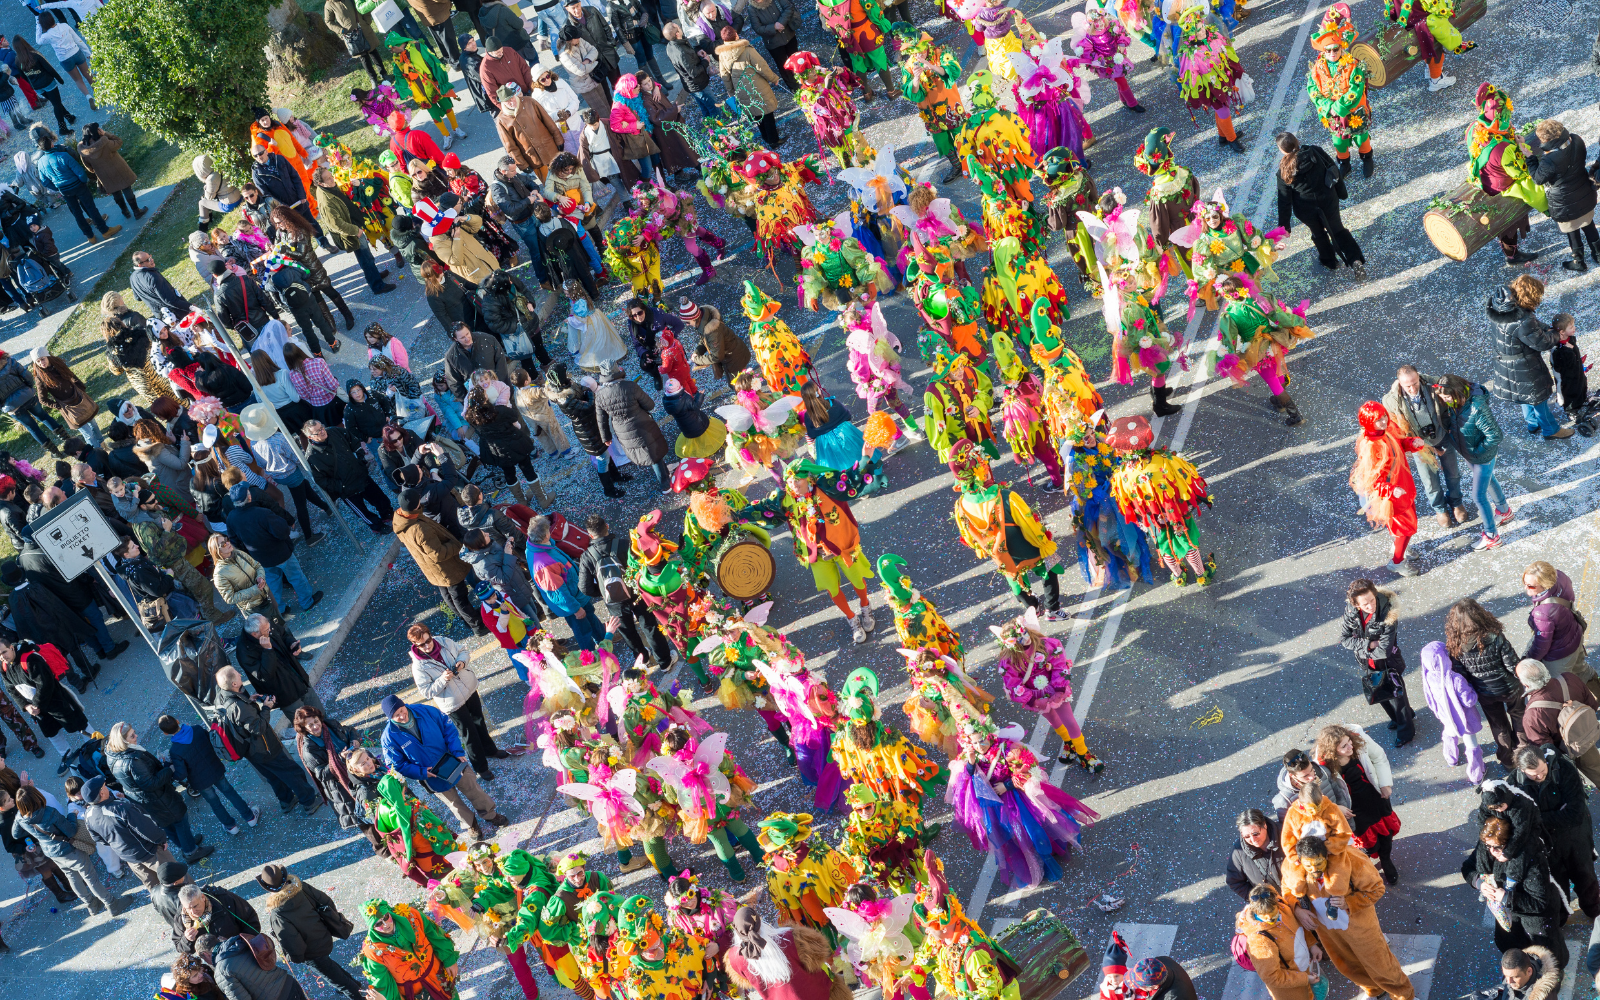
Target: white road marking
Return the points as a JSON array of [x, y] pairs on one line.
[[1418, 954], [1244, 985], [1143, 940]]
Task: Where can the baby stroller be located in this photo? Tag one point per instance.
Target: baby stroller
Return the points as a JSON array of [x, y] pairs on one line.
[[39, 284], [1588, 415]]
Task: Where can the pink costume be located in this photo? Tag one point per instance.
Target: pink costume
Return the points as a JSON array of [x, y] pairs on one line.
[[378, 104], [669, 214], [1024, 425], [1050, 99], [1101, 43], [796, 692], [875, 362]]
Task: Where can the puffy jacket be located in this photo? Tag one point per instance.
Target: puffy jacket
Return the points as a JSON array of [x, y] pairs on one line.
[[278, 180], [261, 532], [623, 412], [147, 783], [692, 420], [414, 757], [235, 580], [1556, 632], [448, 690], [49, 829], [335, 465], [129, 347], [1543, 725], [1562, 173], [1491, 670], [1249, 866], [246, 716], [239, 977], [272, 670], [126, 829], [577, 402], [292, 919], [729, 354], [1473, 428], [60, 170], [433, 547], [501, 571], [764, 21], [1384, 629], [194, 762], [1333, 787], [1518, 339], [1563, 803], [460, 251], [500, 312], [504, 440], [364, 420]]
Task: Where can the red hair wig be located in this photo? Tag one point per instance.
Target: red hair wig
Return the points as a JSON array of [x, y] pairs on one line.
[[1369, 415]]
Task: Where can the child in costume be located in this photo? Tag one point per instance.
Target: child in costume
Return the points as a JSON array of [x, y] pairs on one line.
[[1337, 83], [785, 365], [1161, 492], [780, 199], [876, 189], [1003, 215], [561, 918], [957, 403], [938, 221], [493, 901], [1140, 341], [407, 955], [1001, 30], [632, 253], [376, 105], [804, 876], [811, 710], [928, 78], [1257, 332], [875, 367], [880, 949], [834, 263], [672, 214], [1220, 243], [917, 621], [708, 915], [1050, 99], [419, 77], [1429, 21], [645, 713], [941, 695], [1381, 476], [1173, 191], [1210, 76], [873, 754], [966, 962], [599, 959], [1497, 161], [708, 788], [883, 839], [732, 645], [657, 963], [863, 35], [1038, 676], [824, 95], [764, 429], [1101, 44], [997, 523]]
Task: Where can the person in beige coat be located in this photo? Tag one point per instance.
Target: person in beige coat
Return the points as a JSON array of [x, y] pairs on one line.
[[435, 16], [1344, 890], [723, 350], [100, 154], [527, 131], [461, 252], [343, 18], [1281, 950], [241, 580], [747, 77], [437, 554]]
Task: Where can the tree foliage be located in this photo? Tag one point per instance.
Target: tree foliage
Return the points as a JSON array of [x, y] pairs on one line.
[[188, 71]]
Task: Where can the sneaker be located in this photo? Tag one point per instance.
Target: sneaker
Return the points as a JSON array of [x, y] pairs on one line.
[[1057, 615], [1486, 541], [446, 142], [315, 537], [233, 831], [635, 863], [1404, 568], [867, 620], [1503, 517], [255, 816], [858, 635], [314, 808], [1434, 86]]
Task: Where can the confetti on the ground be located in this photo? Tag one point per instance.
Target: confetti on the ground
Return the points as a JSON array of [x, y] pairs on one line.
[[1211, 718]]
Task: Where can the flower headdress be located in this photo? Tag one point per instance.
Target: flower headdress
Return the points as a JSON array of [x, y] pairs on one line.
[[1337, 31], [969, 466], [781, 830], [858, 698], [1018, 633], [574, 860], [1155, 155]]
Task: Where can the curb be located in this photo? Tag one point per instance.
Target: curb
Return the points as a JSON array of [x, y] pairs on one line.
[[352, 607]]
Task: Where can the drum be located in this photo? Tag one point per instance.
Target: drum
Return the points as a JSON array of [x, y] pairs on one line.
[[745, 569], [1047, 954]]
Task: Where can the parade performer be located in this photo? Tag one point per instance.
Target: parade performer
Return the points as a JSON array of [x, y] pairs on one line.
[[1001, 30], [917, 621], [561, 918], [1429, 21], [875, 366], [764, 429], [815, 502], [657, 963], [824, 95], [645, 713], [419, 77], [1050, 99], [1497, 161], [722, 147], [938, 221], [415, 839], [1022, 419], [1210, 76], [1257, 332], [1382, 477], [701, 913], [941, 695], [863, 35], [1111, 552], [1173, 191], [708, 526], [663, 582], [952, 312], [880, 950], [835, 267], [406, 955], [783, 963], [1037, 675], [632, 254], [708, 788], [780, 199], [600, 959], [732, 645], [957, 403], [883, 839], [1337, 83], [1140, 341], [1069, 393], [1002, 799], [966, 962], [1003, 215], [1161, 492], [1101, 44], [803, 875], [1222, 243], [785, 365], [1018, 286], [928, 78], [998, 139], [376, 105], [811, 710], [876, 189], [494, 901], [671, 214], [1071, 191], [997, 523], [874, 754]]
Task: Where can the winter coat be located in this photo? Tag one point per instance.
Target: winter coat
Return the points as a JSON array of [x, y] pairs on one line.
[[500, 312], [684, 54], [336, 466], [692, 420], [1542, 725], [1563, 803], [237, 299], [340, 220], [1561, 171], [110, 169], [450, 306], [1249, 866], [1333, 787], [230, 915], [764, 21], [676, 153], [246, 716], [434, 549], [38, 570], [504, 440], [1527, 831], [461, 252], [291, 916], [509, 68], [565, 599], [152, 288], [326, 772], [1473, 429], [1383, 629], [1546, 972], [148, 784], [364, 420], [414, 757], [272, 670], [49, 829], [129, 347], [743, 71], [594, 30], [505, 23], [1532, 894], [43, 617], [484, 517], [170, 466], [342, 16], [1491, 669], [1371, 758], [1279, 953], [485, 353], [1518, 339], [1556, 632], [239, 977], [222, 380], [623, 411], [728, 351], [194, 762], [260, 532], [279, 180], [501, 571], [447, 689], [577, 402], [126, 829]]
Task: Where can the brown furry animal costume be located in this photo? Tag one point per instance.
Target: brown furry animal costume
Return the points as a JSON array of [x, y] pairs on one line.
[[1358, 948]]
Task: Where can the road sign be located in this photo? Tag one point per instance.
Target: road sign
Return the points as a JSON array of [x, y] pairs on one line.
[[74, 535]]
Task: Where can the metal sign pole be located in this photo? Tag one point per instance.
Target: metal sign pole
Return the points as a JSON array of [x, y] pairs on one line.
[[132, 611], [288, 437]]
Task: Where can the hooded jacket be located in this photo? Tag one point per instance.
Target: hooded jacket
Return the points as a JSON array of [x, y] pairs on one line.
[[240, 978], [1527, 831], [335, 465], [1561, 171], [1333, 787], [623, 412], [1518, 339], [126, 829], [194, 762], [501, 571], [291, 916], [729, 354], [744, 71], [548, 565], [414, 757], [1556, 632], [148, 783], [1546, 976]]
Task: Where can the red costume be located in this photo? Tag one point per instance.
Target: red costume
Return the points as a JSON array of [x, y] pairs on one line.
[[1382, 476]]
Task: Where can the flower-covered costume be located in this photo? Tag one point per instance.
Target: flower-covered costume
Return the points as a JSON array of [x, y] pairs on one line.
[[657, 963], [965, 961], [998, 140], [879, 945], [633, 254], [416, 839], [942, 695], [835, 265], [1429, 21], [1022, 419], [1037, 674], [494, 902], [874, 754], [997, 523], [862, 31], [599, 957], [1210, 76], [883, 838], [1071, 191], [875, 362], [1069, 393], [1497, 157], [419, 77], [721, 147], [1003, 215], [952, 312], [1382, 476], [764, 430], [1221, 243], [809, 707], [781, 203], [1016, 287], [414, 961], [785, 365], [1050, 99], [708, 789], [708, 525], [534, 878], [1001, 30], [1110, 550], [670, 214], [957, 403], [376, 105], [1101, 44], [928, 78], [711, 920], [1140, 341], [365, 183], [824, 95], [1337, 83], [1173, 192], [917, 621], [1161, 492], [665, 585], [804, 876]]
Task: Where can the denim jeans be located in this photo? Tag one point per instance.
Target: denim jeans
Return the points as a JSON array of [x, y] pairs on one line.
[[288, 779], [35, 420], [288, 573], [1443, 485], [91, 434], [549, 22], [1538, 414], [182, 836], [529, 231], [708, 104], [588, 248], [1483, 483], [215, 793], [80, 202], [102, 635], [369, 267], [588, 630]]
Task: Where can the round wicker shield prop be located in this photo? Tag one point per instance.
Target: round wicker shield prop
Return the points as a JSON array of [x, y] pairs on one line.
[[745, 570]]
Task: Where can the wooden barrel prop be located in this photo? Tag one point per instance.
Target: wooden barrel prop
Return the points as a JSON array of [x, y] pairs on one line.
[[1046, 951], [1392, 50], [1462, 231], [745, 570]]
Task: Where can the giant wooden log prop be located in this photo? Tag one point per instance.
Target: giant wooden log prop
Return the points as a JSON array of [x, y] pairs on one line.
[[1473, 219], [1393, 49], [1047, 952]]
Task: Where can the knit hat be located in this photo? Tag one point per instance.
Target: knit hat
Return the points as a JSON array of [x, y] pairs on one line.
[[272, 877], [451, 162], [493, 43], [1149, 973], [92, 787], [171, 872], [39, 354], [688, 311], [1116, 957], [408, 500], [239, 493], [673, 387], [390, 705]]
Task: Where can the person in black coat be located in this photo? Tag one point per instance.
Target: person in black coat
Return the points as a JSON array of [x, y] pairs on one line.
[[1557, 164], [260, 531], [365, 414], [1310, 188], [1370, 630], [304, 922], [1520, 882], [239, 302], [435, 497], [343, 475], [1257, 856], [1552, 781], [43, 617], [1519, 340], [624, 415], [278, 180], [468, 63], [321, 742], [152, 288], [212, 910], [269, 657], [78, 595], [644, 322], [34, 686], [564, 256], [220, 379], [507, 303], [147, 783], [504, 441], [577, 402]]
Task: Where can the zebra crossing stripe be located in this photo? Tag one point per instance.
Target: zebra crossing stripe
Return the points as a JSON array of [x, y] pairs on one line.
[[1417, 954]]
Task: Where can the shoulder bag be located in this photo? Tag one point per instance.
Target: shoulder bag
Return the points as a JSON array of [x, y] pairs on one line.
[[355, 42]]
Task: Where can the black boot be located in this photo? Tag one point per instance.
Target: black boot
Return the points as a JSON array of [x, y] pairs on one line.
[[954, 171], [1159, 394], [1368, 167], [1594, 243], [1285, 403], [1344, 167], [1575, 241], [608, 483]]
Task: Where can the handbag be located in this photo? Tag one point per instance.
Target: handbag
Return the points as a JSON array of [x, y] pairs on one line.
[[80, 413], [1378, 684], [154, 612], [355, 41], [81, 839]]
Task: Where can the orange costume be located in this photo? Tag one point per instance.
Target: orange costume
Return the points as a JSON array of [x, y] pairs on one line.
[[416, 960], [1352, 938], [280, 140], [1325, 820], [1279, 950], [1382, 476]]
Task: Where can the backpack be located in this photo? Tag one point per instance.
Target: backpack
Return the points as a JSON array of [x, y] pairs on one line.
[[568, 537], [234, 744], [1580, 730], [52, 657], [612, 588]]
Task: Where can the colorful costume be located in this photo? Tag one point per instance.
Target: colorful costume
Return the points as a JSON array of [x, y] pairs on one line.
[[376, 105], [928, 78], [1382, 477], [1140, 341], [1001, 30], [1110, 550], [1038, 676], [997, 523], [916, 620], [833, 262], [1071, 191], [1161, 492], [1018, 285], [1257, 331], [415, 838], [883, 838], [670, 214], [1003, 215], [874, 754], [1429, 21], [879, 945], [998, 139], [657, 963], [966, 962], [1497, 161], [785, 365], [957, 403], [803, 875], [708, 789], [419, 77], [810, 708], [365, 183], [863, 34], [415, 960], [494, 900], [708, 915], [708, 528], [633, 254], [942, 697], [1221, 243], [1069, 394], [952, 312], [827, 538], [1050, 99], [764, 430], [824, 96], [1101, 44], [1173, 192], [1210, 76], [663, 583], [599, 958], [1337, 83], [780, 199]]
